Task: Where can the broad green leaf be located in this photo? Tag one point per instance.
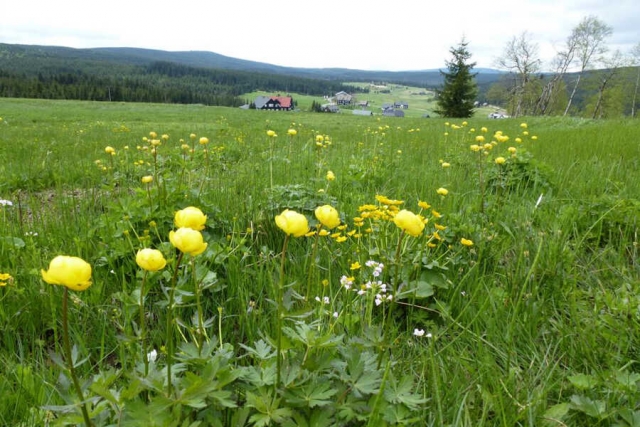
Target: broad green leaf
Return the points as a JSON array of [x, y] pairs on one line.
[[556, 413], [592, 408], [583, 381]]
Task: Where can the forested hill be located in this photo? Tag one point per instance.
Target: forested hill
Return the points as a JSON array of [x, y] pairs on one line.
[[145, 75], [104, 74]]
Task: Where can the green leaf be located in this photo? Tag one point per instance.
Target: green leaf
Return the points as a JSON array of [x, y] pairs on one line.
[[583, 381], [556, 413], [423, 289], [262, 350], [16, 242], [628, 380], [592, 408], [629, 417], [402, 392]]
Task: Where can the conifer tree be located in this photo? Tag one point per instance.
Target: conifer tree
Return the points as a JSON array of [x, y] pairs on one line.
[[458, 94]]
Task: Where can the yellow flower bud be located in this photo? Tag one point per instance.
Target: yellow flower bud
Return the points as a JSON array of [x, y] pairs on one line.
[[292, 223], [328, 216], [188, 241], [411, 223], [147, 179], [72, 272], [190, 217], [150, 259]]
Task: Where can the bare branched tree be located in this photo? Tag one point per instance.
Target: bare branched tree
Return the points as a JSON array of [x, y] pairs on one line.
[[590, 36], [520, 58], [612, 65], [635, 61], [561, 63]]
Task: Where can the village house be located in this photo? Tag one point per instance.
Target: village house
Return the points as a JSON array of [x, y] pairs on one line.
[[274, 103], [343, 98], [401, 104]]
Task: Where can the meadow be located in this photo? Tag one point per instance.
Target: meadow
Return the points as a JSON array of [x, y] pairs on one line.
[[288, 268]]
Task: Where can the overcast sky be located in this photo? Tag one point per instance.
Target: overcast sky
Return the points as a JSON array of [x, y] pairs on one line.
[[370, 35]]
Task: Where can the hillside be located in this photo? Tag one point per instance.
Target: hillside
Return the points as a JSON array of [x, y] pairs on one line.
[[29, 59]]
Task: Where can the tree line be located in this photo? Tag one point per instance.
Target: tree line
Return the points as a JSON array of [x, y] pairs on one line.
[[588, 79], [163, 82]]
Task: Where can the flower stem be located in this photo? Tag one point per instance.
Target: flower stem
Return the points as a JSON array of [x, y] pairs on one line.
[[172, 292], [141, 326], [280, 296], [68, 356]]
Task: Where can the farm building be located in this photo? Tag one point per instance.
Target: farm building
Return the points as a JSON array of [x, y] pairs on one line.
[[330, 108], [393, 113], [273, 103], [343, 98]]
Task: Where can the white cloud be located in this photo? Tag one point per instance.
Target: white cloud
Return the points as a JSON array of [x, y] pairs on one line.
[[399, 35]]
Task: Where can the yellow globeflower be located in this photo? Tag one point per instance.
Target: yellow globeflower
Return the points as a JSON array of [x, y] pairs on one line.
[[204, 140], [500, 160], [150, 259], [69, 271], [147, 179], [466, 242], [446, 164], [331, 176], [271, 133], [475, 147], [328, 216], [512, 150], [409, 222], [480, 138], [442, 191], [523, 125], [192, 136], [110, 150], [188, 241], [153, 135], [190, 217], [292, 223], [5, 277], [292, 132]]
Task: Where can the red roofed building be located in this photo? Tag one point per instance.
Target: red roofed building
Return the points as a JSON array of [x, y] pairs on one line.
[[274, 103]]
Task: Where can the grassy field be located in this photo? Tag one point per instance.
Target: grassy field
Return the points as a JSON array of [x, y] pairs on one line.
[[483, 273], [421, 101]]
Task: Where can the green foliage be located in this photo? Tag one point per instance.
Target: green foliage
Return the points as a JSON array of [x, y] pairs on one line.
[[458, 94], [522, 327]]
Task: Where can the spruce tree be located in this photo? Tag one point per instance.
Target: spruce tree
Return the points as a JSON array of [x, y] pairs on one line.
[[458, 94]]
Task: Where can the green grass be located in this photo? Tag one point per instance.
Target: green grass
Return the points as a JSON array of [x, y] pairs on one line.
[[536, 324]]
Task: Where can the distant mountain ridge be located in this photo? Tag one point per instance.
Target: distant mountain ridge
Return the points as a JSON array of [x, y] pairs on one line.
[[127, 56]]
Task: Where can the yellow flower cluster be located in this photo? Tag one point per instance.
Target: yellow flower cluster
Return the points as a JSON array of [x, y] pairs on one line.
[[187, 238], [5, 278]]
